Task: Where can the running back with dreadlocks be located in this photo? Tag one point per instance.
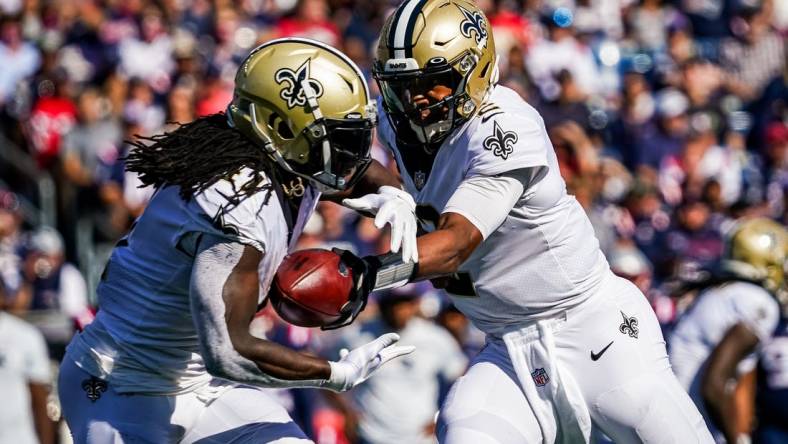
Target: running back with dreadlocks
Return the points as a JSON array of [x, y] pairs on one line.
[[196, 155], [234, 193]]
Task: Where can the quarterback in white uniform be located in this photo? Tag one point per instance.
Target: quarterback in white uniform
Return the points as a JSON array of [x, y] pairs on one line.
[[169, 357], [569, 344], [716, 340]]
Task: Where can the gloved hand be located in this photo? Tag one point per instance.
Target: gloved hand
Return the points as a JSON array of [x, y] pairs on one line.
[[395, 207], [355, 367]]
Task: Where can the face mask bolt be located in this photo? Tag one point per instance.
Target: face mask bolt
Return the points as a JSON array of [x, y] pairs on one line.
[[466, 63]]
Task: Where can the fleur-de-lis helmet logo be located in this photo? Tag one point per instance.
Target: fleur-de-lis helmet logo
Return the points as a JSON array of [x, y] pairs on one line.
[[473, 26], [293, 93], [501, 143]]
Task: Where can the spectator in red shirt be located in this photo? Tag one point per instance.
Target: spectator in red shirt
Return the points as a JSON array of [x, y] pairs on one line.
[[312, 21], [51, 118]]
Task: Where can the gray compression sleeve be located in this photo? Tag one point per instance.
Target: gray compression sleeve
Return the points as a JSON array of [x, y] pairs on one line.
[[215, 260]]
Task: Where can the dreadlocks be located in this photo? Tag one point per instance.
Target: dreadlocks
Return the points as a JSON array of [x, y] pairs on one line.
[[196, 155]]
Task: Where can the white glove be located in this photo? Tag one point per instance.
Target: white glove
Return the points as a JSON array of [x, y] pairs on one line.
[[355, 367], [395, 207]]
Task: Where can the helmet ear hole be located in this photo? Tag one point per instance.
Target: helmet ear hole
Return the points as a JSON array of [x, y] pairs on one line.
[[278, 124], [284, 130]]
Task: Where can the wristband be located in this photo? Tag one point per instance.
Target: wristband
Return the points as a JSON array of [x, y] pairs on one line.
[[390, 270]]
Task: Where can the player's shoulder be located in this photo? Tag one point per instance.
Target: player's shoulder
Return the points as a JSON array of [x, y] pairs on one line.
[[507, 134], [222, 192], [734, 293], [508, 101], [245, 216], [746, 288], [749, 294], [739, 301]]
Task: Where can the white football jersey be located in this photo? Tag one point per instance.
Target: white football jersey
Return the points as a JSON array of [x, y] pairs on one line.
[[143, 338], [703, 326], [544, 257]]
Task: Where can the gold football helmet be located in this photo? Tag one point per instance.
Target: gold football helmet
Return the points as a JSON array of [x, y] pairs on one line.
[[429, 43], [757, 249], [309, 107]]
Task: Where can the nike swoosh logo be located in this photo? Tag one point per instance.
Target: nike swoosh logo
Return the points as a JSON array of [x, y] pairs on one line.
[[595, 356]]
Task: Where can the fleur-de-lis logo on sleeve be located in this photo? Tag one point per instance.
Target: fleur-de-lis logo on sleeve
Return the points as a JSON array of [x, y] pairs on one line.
[[473, 26], [293, 92], [629, 326], [501, 143]]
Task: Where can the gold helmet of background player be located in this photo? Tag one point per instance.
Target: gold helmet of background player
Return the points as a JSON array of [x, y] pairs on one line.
[[425, 43], [757, 249], [309, 107]]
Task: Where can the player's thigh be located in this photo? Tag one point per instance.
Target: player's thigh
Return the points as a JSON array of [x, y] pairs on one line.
[[652, 408], [486, 405], [96, 414], [612, 338], [245, 415], [631, 393]]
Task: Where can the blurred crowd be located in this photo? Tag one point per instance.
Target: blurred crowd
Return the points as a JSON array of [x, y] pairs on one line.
[[669, 118]]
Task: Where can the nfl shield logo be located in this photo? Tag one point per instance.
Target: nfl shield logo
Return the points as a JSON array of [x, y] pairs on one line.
[[419, 178], [540, 377]]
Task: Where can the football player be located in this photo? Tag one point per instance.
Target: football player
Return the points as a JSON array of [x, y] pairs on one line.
[[169, 357], [569, 344], [715, 341]]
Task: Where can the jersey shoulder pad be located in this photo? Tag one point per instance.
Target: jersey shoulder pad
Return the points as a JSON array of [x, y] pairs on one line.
[[510, 135], [247, 219], [756, 308]]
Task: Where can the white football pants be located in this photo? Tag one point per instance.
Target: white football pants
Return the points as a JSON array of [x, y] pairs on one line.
[[602, 362], [239, 415]]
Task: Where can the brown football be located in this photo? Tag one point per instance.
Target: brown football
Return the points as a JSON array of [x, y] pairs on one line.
[[311, 287]]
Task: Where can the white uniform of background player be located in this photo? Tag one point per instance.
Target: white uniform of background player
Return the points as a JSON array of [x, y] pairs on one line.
[[144, 342], [400, 402], [23, 361], [703, 326], [541, 290]]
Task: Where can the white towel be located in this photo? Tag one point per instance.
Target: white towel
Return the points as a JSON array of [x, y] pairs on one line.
[[551, 391]]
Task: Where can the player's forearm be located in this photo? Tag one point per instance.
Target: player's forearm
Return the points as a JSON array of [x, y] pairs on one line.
[[224, 290], [44, 426], [718, 383], [281, 362], [744, 398], [720, 404], [443, 251], [375, 177], [440, 253], [229, 364]]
